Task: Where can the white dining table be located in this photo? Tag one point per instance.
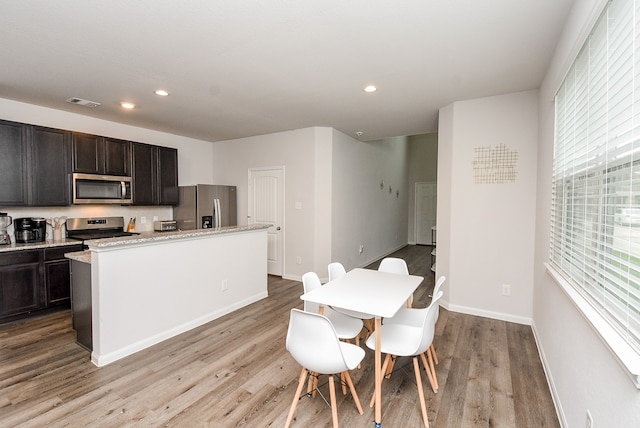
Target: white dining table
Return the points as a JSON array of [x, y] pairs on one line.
[[380, 294]]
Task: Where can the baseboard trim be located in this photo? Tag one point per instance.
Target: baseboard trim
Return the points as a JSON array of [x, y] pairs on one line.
[[490, 314], [547, 372]]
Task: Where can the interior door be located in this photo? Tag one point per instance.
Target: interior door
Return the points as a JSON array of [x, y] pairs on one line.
[[266, 206], [426, 204]]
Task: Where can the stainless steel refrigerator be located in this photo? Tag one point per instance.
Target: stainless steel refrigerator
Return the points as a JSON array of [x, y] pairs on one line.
[[205, 206]]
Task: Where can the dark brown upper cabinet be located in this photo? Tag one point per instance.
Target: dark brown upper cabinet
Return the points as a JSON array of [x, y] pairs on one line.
[[167, 176], [144, 174], [155, 175], [50, 166], [93, 154], [13, 164]]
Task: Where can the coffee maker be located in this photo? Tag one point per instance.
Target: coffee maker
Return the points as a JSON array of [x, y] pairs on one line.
[[5, 221], [30, 229]]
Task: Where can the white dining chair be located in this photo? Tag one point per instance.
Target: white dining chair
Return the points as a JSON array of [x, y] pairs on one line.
[[346, 327], [399, 316], [313, 343], [394, 265], [397, 266], [410, 339], [336, 270], [409, 316], [436, 290]]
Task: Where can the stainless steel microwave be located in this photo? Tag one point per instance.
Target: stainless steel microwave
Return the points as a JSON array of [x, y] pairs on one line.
[[101, 189]]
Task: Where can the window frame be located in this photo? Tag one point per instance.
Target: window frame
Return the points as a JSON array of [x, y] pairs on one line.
[[594, 107]]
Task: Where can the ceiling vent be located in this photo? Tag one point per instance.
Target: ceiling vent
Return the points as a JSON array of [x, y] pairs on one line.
[[81, 102]]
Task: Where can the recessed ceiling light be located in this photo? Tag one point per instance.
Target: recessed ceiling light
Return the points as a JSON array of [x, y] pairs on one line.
[[128, 105], [162, 93], [370, 88]]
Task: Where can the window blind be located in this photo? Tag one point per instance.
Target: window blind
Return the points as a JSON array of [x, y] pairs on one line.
[[595, 230]]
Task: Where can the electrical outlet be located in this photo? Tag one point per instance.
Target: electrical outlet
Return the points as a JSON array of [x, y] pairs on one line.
[[589, 420], [155, 218], [361, 249], [506, 290], [225, 285], [143, 220], [299, 260]]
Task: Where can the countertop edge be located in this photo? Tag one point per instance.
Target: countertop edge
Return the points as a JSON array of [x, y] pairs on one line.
[[39, 245], [80, 256], [157, 237]]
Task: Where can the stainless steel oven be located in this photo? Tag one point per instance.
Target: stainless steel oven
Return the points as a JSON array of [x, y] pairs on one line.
[[101, 189], [90, 228]]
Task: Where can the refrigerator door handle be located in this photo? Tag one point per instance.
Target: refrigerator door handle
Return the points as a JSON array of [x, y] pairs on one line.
[[216, 208], [216, 213]]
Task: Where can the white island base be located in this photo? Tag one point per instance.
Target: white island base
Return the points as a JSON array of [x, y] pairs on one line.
[[151, 287]]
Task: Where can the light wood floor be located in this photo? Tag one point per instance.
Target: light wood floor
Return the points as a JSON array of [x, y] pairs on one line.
[[235, 371]]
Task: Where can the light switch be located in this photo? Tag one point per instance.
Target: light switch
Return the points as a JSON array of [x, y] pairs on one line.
[[298, 205]]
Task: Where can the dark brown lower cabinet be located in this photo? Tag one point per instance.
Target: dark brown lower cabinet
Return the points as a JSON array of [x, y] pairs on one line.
[[57, 275], [34, 280], [20, 282], [57, 282]]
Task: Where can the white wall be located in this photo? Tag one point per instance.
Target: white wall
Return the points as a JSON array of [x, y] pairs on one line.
[[362, 212], [296, 151], [583, 373], [194, 158], [490, 235]]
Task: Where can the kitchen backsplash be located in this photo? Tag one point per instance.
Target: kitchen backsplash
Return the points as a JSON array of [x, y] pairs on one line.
[[144, 215]]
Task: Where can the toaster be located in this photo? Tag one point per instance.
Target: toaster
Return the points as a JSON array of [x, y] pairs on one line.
[[165, 225]]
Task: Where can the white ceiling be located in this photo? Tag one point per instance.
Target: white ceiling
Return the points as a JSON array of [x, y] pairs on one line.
[[240, 68]]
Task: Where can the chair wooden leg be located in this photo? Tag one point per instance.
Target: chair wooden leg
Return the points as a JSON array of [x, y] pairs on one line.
[[370, 327], [433, 367], [433, 351], [313, 384], [423, 406], [296, 397], [384, 367], [353, 392], [392, 364], [430, 376], [343, 383], [334, 406]]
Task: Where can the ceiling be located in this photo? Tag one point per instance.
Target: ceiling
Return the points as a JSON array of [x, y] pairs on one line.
[[242, 68]]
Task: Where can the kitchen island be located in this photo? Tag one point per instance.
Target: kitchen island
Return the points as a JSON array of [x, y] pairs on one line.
[[153, 286]]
